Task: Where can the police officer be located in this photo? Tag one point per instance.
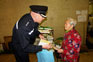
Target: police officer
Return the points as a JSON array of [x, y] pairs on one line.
[[25, 32]]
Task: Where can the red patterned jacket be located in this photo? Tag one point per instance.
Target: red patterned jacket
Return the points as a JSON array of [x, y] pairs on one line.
[[71, 46]]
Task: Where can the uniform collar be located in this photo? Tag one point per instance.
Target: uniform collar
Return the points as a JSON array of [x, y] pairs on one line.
[[35, 24]]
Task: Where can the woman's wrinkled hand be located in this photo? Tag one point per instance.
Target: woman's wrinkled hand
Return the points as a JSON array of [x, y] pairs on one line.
[[60, 50]]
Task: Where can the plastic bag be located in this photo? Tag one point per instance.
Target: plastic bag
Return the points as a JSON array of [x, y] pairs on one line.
[[45, 56]]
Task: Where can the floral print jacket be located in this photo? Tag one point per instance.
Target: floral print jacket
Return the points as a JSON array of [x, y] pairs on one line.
[[71, 46]]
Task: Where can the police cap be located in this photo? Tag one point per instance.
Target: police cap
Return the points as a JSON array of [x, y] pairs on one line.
[[39, 9]]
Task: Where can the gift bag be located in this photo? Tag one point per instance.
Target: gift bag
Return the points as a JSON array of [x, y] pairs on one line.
[[45, 56]]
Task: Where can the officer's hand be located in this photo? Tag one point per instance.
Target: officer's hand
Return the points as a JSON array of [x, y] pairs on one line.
[[41, 36], [47, 46]]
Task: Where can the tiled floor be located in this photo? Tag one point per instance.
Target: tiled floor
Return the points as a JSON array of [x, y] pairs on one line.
[[84, 57]]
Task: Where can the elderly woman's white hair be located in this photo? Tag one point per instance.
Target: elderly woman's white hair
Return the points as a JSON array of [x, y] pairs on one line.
[[72, 21]]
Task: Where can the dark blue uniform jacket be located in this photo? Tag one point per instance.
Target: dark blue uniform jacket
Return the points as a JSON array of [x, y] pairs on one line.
[[25, 32]]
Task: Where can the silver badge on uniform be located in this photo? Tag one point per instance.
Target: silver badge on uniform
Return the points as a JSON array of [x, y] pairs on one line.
[[31, 32]]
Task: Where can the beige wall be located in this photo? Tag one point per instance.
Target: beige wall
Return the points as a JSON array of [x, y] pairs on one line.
[[59, 10]]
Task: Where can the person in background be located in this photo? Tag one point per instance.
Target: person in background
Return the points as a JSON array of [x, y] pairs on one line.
[[71, 44], [25, 32]]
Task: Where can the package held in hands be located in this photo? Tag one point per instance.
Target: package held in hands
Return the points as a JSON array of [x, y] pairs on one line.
[[43, 42]]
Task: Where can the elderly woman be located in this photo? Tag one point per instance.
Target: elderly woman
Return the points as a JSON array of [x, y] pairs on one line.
[[71, 44]]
